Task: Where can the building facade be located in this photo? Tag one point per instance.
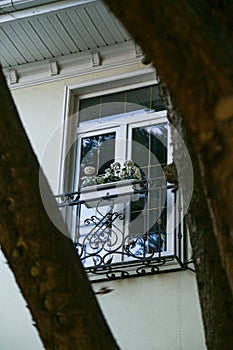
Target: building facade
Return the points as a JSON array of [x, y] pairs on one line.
[[93, 115]]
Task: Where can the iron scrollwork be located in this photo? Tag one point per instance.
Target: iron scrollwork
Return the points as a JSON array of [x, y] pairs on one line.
[[109, 250]]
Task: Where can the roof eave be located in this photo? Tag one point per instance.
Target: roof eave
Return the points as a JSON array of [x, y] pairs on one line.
[[15, 9]]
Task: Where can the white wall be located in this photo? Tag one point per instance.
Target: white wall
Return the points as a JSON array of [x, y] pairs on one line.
[[153, 312], [16, 327], [41, 109]]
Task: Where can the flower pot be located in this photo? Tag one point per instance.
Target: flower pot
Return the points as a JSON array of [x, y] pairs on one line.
[[110, 193]]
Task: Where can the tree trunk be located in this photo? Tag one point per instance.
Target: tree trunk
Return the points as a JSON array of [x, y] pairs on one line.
[[191, 45], [214, 290], [44, 262]]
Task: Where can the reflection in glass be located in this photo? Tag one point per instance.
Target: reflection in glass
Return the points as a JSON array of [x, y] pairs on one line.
[[97, 151], [150, 229], [144, 99]]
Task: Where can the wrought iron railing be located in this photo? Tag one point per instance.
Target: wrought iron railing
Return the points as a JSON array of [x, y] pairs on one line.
[[118, 235]]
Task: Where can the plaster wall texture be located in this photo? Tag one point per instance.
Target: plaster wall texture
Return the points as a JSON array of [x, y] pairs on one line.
[[155, 312]]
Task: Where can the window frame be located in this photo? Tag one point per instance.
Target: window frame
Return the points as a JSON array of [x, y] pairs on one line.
[[91, 88], [155, 119], [121, 83]]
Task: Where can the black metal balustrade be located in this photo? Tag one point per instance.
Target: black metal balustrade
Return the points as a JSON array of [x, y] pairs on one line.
[[122, 236]]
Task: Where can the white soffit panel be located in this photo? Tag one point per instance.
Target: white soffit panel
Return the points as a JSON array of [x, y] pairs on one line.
[[58, 32]]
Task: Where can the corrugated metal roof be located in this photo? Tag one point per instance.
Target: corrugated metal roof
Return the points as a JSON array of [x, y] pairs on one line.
[[74, 29]]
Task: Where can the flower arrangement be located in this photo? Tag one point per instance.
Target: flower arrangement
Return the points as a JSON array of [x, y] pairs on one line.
[[116, 172]]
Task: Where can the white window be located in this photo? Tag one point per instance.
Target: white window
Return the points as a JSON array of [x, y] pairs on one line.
[[116, 226]]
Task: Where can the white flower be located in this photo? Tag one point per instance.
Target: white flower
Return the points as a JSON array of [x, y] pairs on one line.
[[123, 174], [129, 163], [89, 170], [116, 166], [137, 173], [116, 171]]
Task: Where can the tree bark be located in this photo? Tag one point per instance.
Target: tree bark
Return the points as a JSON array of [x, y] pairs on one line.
[[191, 45], [214, 290], [44, 261]]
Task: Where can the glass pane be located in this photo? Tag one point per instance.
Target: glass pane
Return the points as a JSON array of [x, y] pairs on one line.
[[157, 104], [89, 110], [110, 106], [140, 146], [148, 215], [97, 152], [158, 134], [139, 99], [149, 148], [145, 99], [113, 105]]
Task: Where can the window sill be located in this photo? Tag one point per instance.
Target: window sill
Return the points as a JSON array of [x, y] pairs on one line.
[[110, 193]]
